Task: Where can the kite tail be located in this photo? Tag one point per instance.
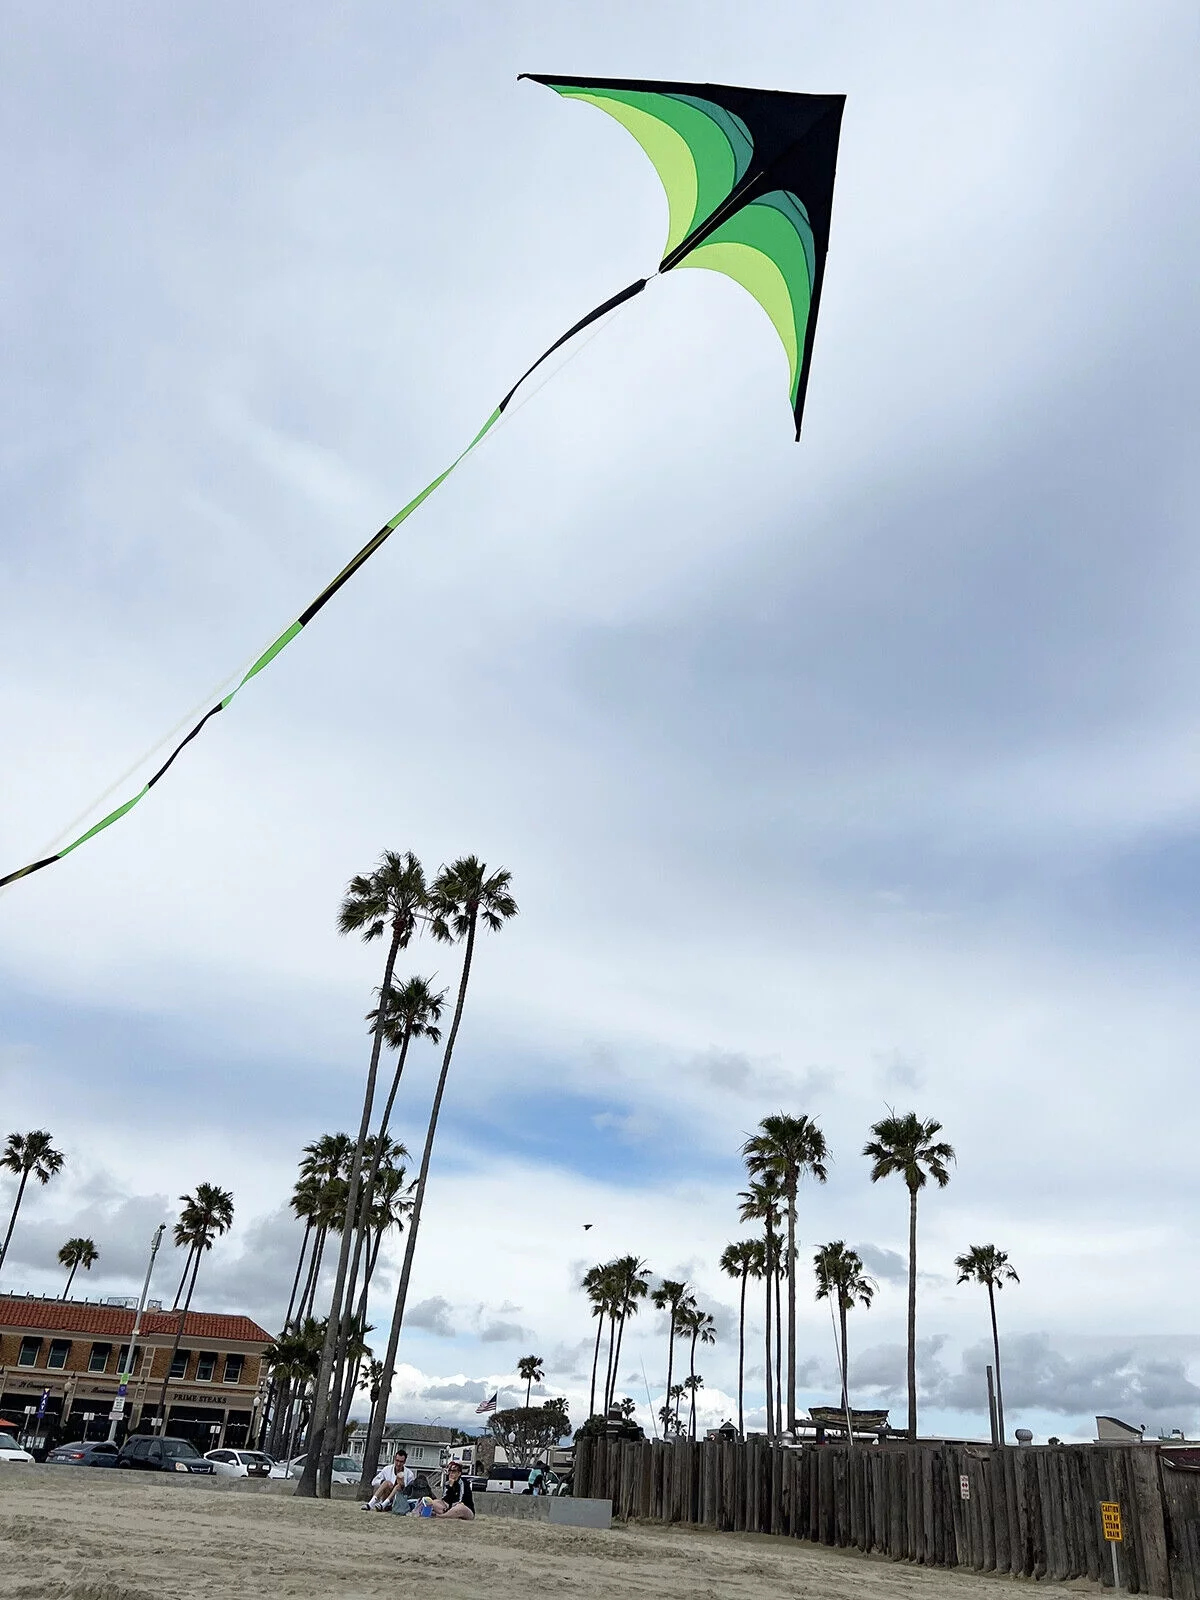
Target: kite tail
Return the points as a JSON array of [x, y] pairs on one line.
[[326, 594]]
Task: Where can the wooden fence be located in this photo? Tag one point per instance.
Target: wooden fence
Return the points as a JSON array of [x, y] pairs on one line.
[[1029, 1512]]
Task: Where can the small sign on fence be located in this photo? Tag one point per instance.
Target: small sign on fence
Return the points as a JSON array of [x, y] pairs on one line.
[[1110, 1516], [964, 1486]]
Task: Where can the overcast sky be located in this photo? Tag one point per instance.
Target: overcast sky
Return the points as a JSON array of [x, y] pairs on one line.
[[857, 773]]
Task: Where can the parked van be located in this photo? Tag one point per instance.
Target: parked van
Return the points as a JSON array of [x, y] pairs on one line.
[[515, 1480]]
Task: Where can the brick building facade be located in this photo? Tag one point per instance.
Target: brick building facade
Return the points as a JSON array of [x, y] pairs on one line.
[[64, 1356]]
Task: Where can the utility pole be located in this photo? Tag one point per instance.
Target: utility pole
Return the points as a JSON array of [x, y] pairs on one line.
[[118, 1405]]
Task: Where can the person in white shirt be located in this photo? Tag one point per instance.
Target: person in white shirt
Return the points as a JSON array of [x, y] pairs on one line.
[[389, 1486]]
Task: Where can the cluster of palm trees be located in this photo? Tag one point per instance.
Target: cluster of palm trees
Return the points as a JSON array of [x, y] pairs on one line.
[[780, 1156], [319, 1199], [615, 1290], [393, 904]]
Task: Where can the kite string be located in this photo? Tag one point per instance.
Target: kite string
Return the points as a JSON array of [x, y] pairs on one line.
[[239, 677], [147, 756]]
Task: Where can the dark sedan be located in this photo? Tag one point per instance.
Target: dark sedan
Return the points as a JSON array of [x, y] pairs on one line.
[[162, 1455], [96, 1453]]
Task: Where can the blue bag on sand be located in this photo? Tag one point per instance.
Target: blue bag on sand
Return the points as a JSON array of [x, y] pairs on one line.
[[425, 1511]]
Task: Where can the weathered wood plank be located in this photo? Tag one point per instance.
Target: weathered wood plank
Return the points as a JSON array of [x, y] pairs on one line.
[[1181, 1501]]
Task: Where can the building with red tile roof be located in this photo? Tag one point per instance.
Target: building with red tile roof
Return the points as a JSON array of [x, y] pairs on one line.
[[61, 1361]]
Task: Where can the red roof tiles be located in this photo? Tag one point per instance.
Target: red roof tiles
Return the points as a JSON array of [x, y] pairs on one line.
[[74, 1316]]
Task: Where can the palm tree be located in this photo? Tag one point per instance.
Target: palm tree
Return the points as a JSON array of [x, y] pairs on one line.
[[629, 1285], [702, 1329], [74, 1254], [531, 1369], [293, 1360], [26, 1154], [693, 1383], [393, 898], [788, 1147], [761, 1203], [737, 1261], [676, 1393], [369, 1382], [670, 1295], [840, 1275], [464, 896], [596, 1283], [985, 1264], [908, 1147], [206, 1215]]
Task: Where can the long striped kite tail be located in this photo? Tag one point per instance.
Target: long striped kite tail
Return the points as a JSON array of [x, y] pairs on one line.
[[327, 593]]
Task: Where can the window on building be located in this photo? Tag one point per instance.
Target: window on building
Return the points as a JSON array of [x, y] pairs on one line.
[[98, 1360], [233, 1368], [60, 1349], [27, 1356], [123, 1357], [206, 1366], [179, 1365]]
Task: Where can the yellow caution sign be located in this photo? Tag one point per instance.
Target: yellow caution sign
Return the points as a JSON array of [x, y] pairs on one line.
[[1110, 1516]]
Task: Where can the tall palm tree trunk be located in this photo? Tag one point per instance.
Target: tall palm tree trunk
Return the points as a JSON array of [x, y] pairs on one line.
[[912, 1314], [767, 1329], [320, 1452], [778, 1354], [692, 1375], [375, 1435], [670, 1359], [596, 1362], [612, 1395], [299, 1268], [308, 1299], [343, 1384], [187, 1267], [75, 1269], [12, 1221], [742, 1355], [996, 1353], [791, 1319], [845, 1362], [608, 1366], [162, 1393]]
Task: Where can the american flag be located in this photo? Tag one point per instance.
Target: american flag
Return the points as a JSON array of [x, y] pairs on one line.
[[487, 1405]]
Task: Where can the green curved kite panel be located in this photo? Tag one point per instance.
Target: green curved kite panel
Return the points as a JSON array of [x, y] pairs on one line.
[[764, 248], [698, 150]]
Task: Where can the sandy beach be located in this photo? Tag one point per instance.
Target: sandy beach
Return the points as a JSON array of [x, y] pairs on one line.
[[79, 1535]]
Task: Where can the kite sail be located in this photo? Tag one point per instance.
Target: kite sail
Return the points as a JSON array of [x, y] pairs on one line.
[[749, 177]]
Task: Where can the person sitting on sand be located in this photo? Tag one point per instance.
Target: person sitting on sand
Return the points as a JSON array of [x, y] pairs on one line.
[[457, 1500], [389, 1485]]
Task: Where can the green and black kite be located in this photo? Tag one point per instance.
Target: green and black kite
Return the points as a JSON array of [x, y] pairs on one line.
[[749, 180]]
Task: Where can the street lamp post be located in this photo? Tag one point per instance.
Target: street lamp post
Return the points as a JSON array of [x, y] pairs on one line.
[[118, 1405]]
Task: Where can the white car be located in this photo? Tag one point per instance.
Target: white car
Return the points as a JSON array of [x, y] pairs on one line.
[[240, 1463], [10, 1450], [345, 1469]]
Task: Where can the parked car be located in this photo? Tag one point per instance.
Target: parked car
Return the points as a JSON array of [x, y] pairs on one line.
[[10, 1450], [84, 1453], [345, 1469], [240, 1463], [515, 1480], [163, 1455]]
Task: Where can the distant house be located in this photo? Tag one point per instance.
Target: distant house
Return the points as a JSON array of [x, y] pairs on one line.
[[428, 1447]]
